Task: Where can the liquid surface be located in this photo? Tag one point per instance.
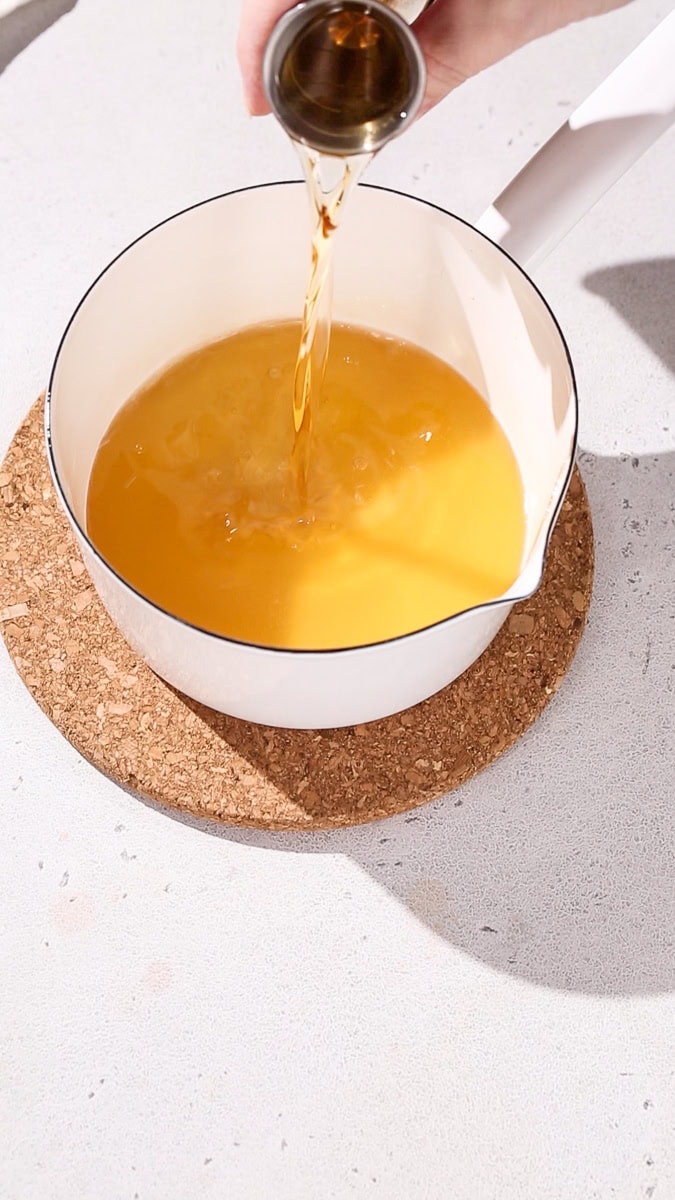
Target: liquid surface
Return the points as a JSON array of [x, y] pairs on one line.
[[414, 507]]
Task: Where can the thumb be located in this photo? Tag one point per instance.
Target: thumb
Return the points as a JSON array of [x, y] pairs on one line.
[[258, 18]]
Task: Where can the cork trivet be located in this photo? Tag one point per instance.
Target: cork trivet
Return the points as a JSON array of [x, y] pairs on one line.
[[145, 736]]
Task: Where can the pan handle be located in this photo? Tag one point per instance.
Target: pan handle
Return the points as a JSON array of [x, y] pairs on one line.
[[589, 153]]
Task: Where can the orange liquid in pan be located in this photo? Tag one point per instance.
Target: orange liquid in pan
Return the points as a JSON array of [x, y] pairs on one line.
[[413, 509]]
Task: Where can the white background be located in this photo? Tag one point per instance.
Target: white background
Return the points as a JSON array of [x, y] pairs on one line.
[[192, 1012]]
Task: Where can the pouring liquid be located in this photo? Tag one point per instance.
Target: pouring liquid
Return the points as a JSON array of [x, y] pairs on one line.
[[329, 182], [344, 81]]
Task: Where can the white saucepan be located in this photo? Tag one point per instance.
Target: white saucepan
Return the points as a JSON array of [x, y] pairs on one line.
[[404, 267]]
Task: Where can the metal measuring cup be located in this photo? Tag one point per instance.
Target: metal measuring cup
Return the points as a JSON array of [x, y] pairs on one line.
[[343, 76]]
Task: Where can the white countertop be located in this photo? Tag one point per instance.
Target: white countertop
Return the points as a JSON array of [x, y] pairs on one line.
[[196, 1012]]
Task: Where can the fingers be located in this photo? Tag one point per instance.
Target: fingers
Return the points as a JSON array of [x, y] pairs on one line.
[[459, 38], [257, 20]]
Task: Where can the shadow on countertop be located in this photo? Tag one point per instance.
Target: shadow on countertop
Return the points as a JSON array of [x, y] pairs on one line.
[[643, 293], [24, 24]]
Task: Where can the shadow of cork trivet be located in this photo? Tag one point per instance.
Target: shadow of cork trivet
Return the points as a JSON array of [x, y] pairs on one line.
[[145, 736]]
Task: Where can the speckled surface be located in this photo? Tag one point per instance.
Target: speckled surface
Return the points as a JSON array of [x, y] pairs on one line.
[[476, 1000]]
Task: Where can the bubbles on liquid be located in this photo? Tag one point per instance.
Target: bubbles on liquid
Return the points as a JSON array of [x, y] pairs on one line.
[[274, 373], [230, 528], [359, 463], [426, 436]]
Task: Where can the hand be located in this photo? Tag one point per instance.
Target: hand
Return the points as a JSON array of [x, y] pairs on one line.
[[459, 38]]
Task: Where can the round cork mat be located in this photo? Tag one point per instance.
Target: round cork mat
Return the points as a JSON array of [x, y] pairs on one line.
[[149, 738]]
